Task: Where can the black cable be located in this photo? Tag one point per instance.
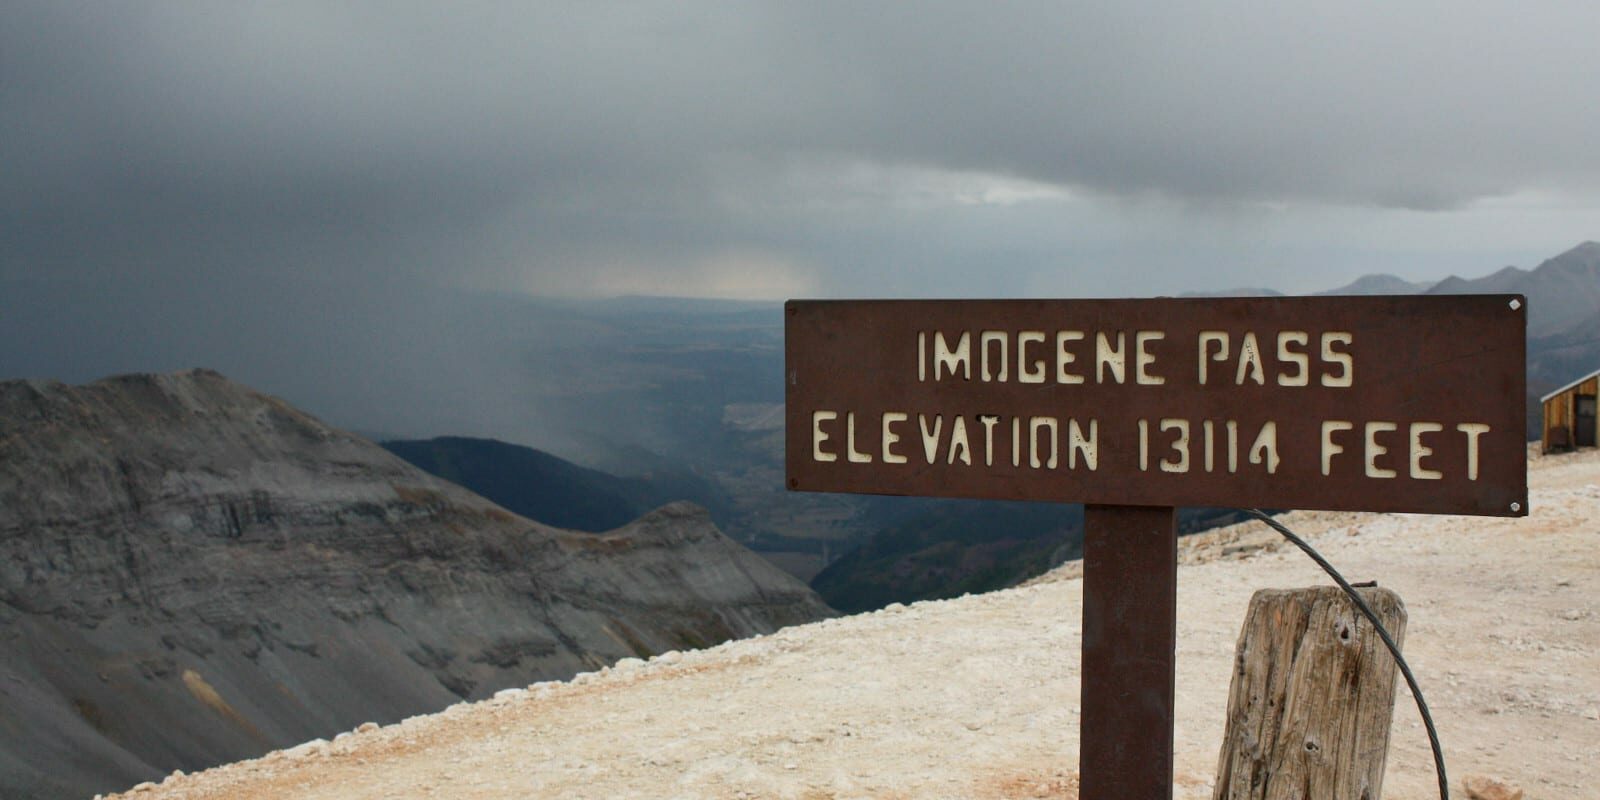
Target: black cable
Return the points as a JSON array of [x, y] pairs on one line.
[[1411, 680]]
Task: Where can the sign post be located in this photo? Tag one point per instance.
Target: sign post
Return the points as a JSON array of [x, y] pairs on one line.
[[1130, 640], [1135, 407]]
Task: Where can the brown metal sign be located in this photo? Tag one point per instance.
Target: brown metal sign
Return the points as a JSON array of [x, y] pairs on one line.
[[1412, 404]]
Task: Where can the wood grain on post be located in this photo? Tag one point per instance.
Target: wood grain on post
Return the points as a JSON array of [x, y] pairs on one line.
[[1311, 699]]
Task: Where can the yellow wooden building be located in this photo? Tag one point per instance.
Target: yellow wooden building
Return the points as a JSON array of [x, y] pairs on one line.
[[1569, 414]]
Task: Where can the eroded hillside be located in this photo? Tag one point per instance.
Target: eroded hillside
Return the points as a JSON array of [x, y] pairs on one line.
[[192, 572]]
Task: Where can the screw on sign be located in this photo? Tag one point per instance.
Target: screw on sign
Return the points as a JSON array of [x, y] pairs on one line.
[[1135, 407]]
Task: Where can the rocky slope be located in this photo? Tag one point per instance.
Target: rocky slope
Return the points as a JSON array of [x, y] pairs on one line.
[[192, 572], [977, 697]]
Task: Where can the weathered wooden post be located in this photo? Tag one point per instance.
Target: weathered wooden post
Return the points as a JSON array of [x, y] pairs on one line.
[[1311, 698], [1136, 407]]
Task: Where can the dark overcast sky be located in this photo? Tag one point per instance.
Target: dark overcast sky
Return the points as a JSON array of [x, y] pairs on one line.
[[156, 157], [765, 150]]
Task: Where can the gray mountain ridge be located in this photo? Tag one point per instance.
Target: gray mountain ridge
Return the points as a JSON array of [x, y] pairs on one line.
[[1380, 283], [1376, 283], [192, 572], [1562, 292]]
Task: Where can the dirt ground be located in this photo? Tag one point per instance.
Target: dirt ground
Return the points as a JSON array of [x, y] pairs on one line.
[[978, 697]]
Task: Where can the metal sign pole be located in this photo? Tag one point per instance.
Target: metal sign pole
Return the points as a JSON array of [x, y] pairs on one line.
[[1130, 594]]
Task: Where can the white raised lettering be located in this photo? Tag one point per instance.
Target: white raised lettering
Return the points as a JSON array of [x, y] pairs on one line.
[[1373, 449], [1110, 358], [1063, 357], [1420, 451], [958, 438], [1029, 371], [1329, 449], [1088, 447], [1346, 376], [984, 340], [1208, 338], [1473, 430], [1265, 448], [1016, 441], [1179, 446], [818, 437], [930, 438], [1142, 359], [890, 437], [988, 421], [949, 359], [1035, 424], [1302, 374], [850, 441], [1250, 361]]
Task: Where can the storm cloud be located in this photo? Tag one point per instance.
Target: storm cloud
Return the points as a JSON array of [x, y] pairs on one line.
[[158, 157], [750, 149]]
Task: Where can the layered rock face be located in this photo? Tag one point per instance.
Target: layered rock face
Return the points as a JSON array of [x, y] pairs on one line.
[[192, 572]]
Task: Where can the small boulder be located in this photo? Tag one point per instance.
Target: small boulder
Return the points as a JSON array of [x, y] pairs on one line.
[[1483, 787], [315, 747]]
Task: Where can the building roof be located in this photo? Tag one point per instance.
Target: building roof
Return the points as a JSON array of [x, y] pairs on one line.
[[1547, 397]]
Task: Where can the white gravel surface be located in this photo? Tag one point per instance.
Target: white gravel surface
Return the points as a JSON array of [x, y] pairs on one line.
[[978, 697]]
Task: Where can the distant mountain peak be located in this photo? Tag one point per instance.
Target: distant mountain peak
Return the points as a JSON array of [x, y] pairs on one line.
[[1563, 295], [1562, 292], [1584, 257], [1379, 283]]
